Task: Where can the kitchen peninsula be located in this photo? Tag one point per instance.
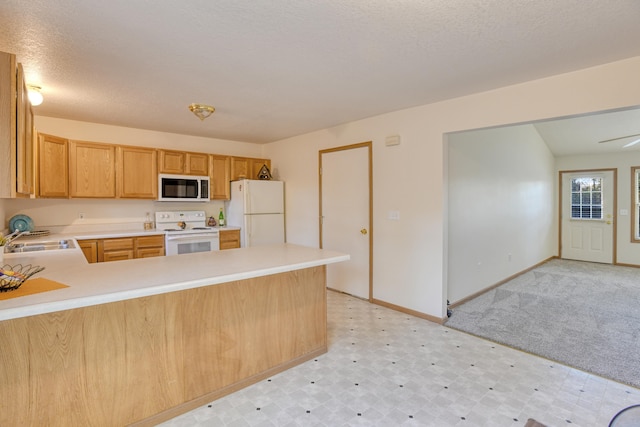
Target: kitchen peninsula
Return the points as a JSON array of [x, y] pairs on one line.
[[140, 341]]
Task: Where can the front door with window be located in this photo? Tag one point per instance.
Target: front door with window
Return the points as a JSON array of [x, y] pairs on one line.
[[588, 207]]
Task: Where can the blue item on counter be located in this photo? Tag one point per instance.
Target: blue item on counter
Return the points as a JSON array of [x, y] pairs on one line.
[[20, 223]]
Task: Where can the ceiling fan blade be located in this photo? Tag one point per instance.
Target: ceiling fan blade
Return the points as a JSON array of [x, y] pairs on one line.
[[634, 142], [621, 137]]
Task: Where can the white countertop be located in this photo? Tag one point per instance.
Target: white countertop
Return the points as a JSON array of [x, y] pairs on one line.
[[99, 283]]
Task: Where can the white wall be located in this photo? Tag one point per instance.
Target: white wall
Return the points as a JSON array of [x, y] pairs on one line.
[[502, 206], [627, 252], [409, 261], [61, 213]]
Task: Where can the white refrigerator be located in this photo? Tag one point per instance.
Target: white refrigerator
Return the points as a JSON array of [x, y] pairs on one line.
[[257, 207]]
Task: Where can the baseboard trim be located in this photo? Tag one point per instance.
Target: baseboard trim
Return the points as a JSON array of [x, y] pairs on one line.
[[214, 395], [502, 282], [394, 307], [405, 310], [621, 264]]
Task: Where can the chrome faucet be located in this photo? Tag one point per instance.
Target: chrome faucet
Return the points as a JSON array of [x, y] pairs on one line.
[[9, 238]]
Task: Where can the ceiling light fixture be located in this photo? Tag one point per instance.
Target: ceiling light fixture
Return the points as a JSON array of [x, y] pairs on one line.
[[202, 110], [34, 94]]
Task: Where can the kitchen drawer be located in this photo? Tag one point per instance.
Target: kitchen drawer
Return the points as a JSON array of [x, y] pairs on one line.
[[117, 249], [149, 252], [117, 244], [117, 255], [229, 239], [150, 241]]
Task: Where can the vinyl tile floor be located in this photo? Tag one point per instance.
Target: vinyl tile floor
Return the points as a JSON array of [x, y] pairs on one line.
[[386, 368]]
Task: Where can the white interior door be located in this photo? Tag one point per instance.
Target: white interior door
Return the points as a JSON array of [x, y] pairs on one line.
[[345, 216], [588, 209]]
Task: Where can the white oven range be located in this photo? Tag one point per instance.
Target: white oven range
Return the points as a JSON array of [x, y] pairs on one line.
[[187, 232]]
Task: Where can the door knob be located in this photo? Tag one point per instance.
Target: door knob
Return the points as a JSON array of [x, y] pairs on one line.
[[608, 222], [363, 231]]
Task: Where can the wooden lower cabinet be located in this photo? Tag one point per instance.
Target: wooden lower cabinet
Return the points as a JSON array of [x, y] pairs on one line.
[[145, 360], [115, 249], [149, 246], [89, 249], [118, 249], [229, 239]]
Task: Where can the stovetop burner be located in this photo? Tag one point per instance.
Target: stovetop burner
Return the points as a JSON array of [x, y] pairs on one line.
[[183, 222]]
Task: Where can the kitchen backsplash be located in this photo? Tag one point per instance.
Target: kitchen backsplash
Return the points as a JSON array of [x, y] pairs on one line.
[[82, 215]]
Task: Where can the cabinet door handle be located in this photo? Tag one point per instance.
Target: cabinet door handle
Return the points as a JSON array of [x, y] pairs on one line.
[[363, 231]]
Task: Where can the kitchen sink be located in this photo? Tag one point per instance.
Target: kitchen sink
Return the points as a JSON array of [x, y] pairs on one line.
[[50, 245]]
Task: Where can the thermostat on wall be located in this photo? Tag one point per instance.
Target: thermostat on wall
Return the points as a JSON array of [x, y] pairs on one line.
[[392, 140]]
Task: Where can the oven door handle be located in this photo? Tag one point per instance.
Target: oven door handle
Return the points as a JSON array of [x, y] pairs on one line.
[[192, 236]]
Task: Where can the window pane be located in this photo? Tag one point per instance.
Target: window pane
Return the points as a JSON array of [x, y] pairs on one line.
[[575, 198], [596, 184], [575, 211], [596, 212], [586, 198]]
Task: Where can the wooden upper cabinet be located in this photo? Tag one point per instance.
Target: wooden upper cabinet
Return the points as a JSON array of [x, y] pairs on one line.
[[247, 167], [256, 165], [240, 168], [92, 170], [16, 131], [197, 164], [171, 161], [183, 162], [24, 142], [53, 166], [137, 172], [220, 174]]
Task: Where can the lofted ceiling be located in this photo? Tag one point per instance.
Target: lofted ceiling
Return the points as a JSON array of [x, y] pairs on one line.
[[279, 68], [592, 134]]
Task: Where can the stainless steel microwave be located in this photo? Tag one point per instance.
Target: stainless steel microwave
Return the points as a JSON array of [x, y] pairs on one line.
[[183, 188]]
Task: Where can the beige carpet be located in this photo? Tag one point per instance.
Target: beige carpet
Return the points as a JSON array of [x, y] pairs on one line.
[[581, 314]]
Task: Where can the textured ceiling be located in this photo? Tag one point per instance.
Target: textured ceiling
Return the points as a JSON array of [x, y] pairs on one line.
[[279, 68]]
